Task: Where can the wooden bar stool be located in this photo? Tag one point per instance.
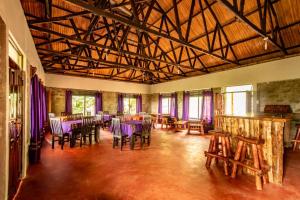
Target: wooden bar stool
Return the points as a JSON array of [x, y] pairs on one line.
[[297, 138], [219, 148], [255, 164]]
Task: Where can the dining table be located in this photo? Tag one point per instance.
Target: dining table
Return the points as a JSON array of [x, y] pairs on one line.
[[128, 128], [67, 125]]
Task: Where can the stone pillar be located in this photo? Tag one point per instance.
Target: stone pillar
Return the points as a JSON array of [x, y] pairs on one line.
[[4, 138]]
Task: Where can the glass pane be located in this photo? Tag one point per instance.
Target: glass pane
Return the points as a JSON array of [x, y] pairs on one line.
[[165, 106], [132, 105], [77, 104], [126, 105], [193, 108], [239, 103], [89, 106], [239, 88], [228, 104]]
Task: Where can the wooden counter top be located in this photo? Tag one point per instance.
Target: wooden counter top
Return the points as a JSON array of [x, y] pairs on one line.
[[259, 117]]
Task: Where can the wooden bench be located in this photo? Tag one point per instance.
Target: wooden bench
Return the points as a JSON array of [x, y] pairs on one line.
[[196, 125]]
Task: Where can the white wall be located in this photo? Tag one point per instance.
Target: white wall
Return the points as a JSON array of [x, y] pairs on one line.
[[72, 82], [12, 13], [284, 69]]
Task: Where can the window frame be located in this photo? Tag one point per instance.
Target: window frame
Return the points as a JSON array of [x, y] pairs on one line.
[[199, 96], [130, 111], [247, 90], [84, 103]]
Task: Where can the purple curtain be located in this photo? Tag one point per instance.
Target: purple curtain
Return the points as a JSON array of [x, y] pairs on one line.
[[185, 110], [159, 104], [139, 103], [38, 109], [120, 103], [207, 106], [43, 108], [174, 105], [98, 105], [68, 104], [34, 110]]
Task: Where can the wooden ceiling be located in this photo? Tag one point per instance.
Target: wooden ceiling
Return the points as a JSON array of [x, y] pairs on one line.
[[153, 41]]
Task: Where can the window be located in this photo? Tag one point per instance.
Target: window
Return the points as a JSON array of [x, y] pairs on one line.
[[195, 107], [238, 100], [129, 105], [14, 53], [166, 105], [83, 104]]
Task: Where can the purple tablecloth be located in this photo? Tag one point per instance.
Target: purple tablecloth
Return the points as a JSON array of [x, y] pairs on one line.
[[107, 117], [67, 125], [130, 127]]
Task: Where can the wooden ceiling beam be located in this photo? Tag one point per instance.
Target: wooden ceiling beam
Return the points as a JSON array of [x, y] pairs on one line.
[[56, 19], [138, 26], [100, 61], [227, 23], [262, 32], [91, 43]]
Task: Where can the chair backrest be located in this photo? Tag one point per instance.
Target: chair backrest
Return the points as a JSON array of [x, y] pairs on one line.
[[100, 113], [147, 118], [116, 126], [127, 117], [146, 127], [51, 115], [119, 113], [65, 113], [87, 124], [56, 127], [99, 117]]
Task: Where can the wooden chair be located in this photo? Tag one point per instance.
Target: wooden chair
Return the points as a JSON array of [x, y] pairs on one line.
[[297, 138], [219, 148], [64, 114], [51, 115], [117, 133], [165, 122], [254, 163], [146, 133], [76, 134], [88, 129], [57, 132]]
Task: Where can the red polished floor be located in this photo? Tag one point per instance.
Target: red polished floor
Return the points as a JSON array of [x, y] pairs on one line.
[[173, 167]]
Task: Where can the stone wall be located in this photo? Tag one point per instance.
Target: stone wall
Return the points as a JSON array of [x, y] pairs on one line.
[[110, 100], [279, 92]]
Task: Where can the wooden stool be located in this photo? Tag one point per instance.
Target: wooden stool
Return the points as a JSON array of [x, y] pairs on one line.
[[256, 164], [219, 148], [297, 138]]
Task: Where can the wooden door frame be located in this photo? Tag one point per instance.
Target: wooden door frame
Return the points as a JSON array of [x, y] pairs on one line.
[[4, 115]]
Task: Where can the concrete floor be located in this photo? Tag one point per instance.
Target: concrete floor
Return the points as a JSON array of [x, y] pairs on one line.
[[173, 167]]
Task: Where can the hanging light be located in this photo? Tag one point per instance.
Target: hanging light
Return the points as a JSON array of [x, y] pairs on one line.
[[266, 42]]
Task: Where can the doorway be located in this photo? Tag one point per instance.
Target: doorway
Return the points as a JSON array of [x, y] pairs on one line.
[[15, 122]]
